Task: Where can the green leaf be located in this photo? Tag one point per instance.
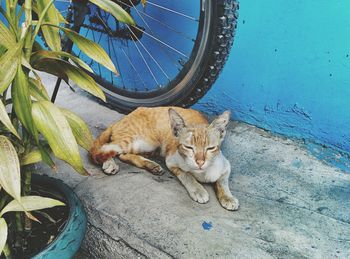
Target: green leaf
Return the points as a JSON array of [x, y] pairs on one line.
[[10, 176], [30, 203], [58, 55], [37, 90], [52, 67], [3, 234], [4, 118], [91, 49], [79, 128], [45, 155], [54, 127], [63, 69], [22, 102], [114, 9], [32, 157], [51, 34], [7, 39], [8, 66], [60, 17]]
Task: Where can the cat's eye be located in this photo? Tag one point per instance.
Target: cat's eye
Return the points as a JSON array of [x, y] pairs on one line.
[[188, 147], [211, 148]]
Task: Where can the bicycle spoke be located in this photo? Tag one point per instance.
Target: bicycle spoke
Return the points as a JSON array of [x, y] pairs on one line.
[[155, 19], [155, 61], [144, 60], [167, 26], [132, 65], [161, 46], [109, 54], [162, 42], [118, 67], [172, 11]]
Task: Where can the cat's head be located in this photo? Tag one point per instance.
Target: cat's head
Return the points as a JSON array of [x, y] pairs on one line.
[[199, 144]]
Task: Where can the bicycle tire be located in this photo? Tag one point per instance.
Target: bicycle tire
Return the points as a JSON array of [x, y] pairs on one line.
[[219, 23]]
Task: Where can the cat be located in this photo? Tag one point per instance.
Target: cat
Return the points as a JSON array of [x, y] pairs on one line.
[[189, 144]]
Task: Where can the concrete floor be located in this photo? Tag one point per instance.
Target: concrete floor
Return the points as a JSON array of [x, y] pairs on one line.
[[291, 204]]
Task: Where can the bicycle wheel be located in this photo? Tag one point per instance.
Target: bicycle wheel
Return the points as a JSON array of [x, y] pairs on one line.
[[171, 57]]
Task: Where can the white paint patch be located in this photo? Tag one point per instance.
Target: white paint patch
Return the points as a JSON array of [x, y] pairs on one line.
[[139, 145], [111, 147]]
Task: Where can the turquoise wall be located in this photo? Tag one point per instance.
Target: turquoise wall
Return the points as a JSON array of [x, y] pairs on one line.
[[289, 70]]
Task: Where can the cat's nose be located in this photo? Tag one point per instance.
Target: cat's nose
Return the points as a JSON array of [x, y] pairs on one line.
[[200, 162]]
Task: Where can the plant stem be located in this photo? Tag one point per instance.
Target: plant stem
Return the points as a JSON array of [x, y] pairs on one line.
[[19, 222], [27, 171], [7, 251], [26, 191], [27, 27]]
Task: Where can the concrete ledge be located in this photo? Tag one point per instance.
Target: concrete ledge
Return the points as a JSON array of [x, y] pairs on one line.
[[292, 205]]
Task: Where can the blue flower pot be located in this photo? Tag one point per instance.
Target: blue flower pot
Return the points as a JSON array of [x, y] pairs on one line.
[[67, 243]]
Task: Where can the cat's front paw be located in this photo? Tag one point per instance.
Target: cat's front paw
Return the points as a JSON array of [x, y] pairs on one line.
[[200, 195], [229, 203], [110, 167], [154, 168]]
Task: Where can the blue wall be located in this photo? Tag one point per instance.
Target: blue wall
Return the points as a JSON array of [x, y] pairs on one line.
[[289, 70]]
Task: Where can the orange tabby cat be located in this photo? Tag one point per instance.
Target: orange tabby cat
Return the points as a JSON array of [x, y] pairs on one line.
[[190, 145]]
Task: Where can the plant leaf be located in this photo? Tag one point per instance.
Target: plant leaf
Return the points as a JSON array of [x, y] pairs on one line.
[[79, 128], [8, 66], [7, 39], [4, 118], [54, 126], [45, 155], [91, 49], [52, 67], [114, 9], [37, 90], [64, 68], [30, 203], [22, 103], [51, 34], [58, 55], [32, 157], [3, 234], [60, 16], [10, 176]]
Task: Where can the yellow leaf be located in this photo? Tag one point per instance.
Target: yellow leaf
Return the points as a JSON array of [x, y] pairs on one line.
[[114, 9], [30, 203], [10, 176], [8, 66], [79, 128], [4, 118], [53, 125], [22, 102], [3, 234], [51, 34]]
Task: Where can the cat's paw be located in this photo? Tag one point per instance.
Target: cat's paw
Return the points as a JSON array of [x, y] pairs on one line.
[[154, 168], [229, 203], [199, 195], [110, 167]]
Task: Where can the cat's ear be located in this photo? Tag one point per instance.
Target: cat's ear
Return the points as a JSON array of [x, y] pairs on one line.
[[220, 123], [176, 122]]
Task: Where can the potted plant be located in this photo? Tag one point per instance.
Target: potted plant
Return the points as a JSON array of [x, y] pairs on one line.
[[33, 129]]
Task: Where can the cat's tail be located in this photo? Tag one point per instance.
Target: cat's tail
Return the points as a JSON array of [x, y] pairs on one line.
[[99, 156]]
